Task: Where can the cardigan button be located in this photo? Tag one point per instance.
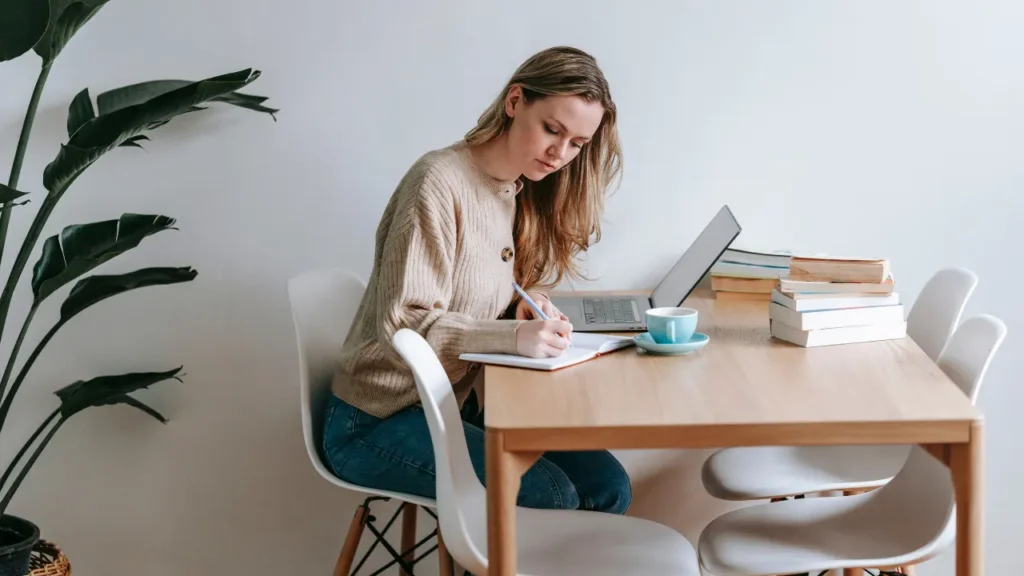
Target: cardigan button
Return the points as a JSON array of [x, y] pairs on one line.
[[506, 254]]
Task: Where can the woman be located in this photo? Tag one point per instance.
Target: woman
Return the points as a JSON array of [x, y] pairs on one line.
[[515, 200]]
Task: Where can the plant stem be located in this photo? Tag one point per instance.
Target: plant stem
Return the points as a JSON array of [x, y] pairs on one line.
[[19, 154], [24, 449], [14, 352], [28, 466], [5, 407], [26, 250]]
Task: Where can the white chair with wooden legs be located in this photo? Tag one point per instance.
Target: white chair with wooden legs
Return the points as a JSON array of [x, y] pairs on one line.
[[548, 542], [938, 307], [905, 522], [777, 472], [324, 303]]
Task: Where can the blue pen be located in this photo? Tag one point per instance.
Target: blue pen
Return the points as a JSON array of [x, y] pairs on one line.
[[529, 301]]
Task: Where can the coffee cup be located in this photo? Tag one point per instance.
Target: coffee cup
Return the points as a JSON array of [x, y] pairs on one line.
[[671, 325]]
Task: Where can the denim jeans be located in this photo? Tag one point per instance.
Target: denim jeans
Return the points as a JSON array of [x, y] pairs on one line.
[[395, 454]]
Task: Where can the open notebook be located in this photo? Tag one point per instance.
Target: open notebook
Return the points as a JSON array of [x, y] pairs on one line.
[[585, 346]]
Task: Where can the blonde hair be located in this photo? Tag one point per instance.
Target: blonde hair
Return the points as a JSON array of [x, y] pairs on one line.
[[557, 216]]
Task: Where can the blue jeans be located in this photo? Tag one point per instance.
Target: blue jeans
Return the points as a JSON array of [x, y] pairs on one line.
[[396, 454]]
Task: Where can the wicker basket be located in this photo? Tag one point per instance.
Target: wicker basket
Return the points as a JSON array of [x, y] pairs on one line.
[[48, 560]]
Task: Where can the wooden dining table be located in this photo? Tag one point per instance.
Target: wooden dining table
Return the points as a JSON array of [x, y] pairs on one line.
[[744, 388]]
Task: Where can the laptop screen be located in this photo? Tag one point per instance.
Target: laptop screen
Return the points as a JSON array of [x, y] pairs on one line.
[[697, 260]]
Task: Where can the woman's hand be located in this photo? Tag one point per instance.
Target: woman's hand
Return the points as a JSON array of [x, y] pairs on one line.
[[524, 312], [542, 338]]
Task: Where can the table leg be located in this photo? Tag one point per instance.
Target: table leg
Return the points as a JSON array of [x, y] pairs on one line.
[[503, 474], [967, 465]]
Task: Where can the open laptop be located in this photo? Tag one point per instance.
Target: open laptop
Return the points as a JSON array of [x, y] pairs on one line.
[[625, 313]]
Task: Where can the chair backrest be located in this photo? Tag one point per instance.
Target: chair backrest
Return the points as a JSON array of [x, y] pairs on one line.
[[324, 303], [938, 307], [967, 356], [461, 498], [924, 488]]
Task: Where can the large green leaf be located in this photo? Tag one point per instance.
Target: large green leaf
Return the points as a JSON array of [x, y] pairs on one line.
[[136, 403], [134, 94], [108, 390], [93, 289], [66, 18], [7, 194], [80, 112], [107, 131], [22, 23], [82, 247]]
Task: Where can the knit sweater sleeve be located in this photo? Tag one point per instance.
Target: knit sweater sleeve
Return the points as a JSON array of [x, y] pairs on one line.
[[416, 277]]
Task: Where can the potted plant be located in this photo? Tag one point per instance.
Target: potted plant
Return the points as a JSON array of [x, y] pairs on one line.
[[119, 118]]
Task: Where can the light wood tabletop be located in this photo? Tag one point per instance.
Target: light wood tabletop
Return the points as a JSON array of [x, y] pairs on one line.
[[743, 389]]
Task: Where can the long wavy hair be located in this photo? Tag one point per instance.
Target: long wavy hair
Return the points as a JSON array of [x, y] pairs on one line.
[[559, 216]]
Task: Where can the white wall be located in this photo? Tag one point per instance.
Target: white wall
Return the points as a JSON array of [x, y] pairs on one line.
[[888, 128]]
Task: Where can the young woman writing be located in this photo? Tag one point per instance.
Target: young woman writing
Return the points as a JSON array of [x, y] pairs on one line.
[[515, 200]]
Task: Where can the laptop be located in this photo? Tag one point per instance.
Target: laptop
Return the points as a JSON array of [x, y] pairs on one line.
[[626, 313]]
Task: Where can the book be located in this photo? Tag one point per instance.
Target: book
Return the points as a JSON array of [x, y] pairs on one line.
[[737, 270], [788, 285], [810, 302], [743, 296], [822, 319], [778, 259], [806, 296], [833, 336], [753, 285], [585, 346], [838, 269]]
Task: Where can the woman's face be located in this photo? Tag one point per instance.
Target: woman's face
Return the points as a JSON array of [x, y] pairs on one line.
[[548, 133]]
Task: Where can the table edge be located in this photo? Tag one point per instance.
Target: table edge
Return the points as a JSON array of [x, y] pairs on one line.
[[740, 434]]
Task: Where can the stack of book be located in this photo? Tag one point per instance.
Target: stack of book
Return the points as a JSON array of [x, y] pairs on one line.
[[824, 301], [746, 275]]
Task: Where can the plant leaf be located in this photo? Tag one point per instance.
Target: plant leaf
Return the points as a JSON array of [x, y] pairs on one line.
[[134, 94], [134, 141], [108, 130], [136, 403], [7, 194], [66, 18], [107, 390], [23, 23], [80, 112], [89, 291], [82, 247]]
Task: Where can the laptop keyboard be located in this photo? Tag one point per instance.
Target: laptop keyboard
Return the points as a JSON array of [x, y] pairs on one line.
[[610, 311]]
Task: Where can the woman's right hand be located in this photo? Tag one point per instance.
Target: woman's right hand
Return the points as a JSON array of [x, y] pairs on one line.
[[542, 338]]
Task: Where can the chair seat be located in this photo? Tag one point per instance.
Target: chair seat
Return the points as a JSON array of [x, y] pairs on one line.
[[816, 534], [558, 542], [753, 473], [410, 498]]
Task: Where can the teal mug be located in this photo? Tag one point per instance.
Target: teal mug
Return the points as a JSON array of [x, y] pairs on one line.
[[671, 325]]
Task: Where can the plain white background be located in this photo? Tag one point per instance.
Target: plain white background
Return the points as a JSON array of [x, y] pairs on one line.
[[869, 128]]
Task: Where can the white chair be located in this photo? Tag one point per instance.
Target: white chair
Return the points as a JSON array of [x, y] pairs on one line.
[[761, 472], [907, 521], [324, 303], [938, 307], [549, 542]]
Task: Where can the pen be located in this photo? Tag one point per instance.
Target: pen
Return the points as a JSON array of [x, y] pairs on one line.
[[529, 301]]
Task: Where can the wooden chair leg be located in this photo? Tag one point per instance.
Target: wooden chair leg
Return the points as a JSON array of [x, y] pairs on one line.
[[446, 565], [408, 535], [852, 571], [348, 550]]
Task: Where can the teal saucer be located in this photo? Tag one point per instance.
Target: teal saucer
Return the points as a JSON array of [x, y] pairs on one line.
[[647, 343]]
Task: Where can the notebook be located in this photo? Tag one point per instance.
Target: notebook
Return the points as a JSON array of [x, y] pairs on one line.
[[585, 346]]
